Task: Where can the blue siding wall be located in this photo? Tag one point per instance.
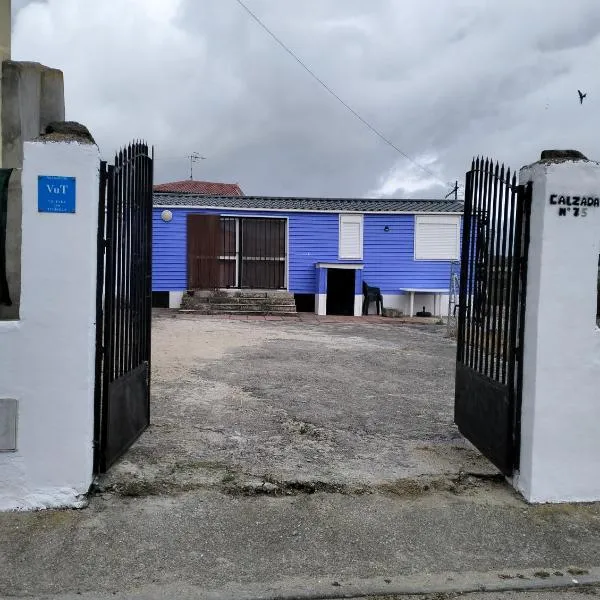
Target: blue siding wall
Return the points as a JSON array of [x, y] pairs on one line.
[[313, 237], [389, 256], [169, 255]]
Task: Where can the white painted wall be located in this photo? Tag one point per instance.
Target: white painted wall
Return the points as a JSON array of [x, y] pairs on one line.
[[175, 299], [402, 302], [560, 446], [47, 358], [321, 304]]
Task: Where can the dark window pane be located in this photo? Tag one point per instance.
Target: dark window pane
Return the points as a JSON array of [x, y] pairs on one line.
[[227, 236]]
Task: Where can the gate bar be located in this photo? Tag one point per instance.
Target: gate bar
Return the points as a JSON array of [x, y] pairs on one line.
[[491, 274], [511, 256], [469, 270], [526, 208], [494, 265], [502, 275], [101, 247], [463, 296]]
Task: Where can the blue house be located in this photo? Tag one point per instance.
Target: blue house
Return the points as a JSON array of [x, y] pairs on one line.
[[319, 249]]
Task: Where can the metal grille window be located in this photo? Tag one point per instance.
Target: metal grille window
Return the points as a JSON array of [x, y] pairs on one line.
[[239, 252], [262, 253], [228, 263]]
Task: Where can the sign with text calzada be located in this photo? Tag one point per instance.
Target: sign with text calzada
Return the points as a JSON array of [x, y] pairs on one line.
[[56, 194], [576, 206]]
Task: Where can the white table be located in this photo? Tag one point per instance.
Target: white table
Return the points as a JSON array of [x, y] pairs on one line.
[[436, 294]]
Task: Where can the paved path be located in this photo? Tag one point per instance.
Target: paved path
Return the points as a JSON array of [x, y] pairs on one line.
[[213, 543]]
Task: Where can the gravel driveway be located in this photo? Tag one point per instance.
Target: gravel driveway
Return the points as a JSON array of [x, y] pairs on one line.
[[271, 407]]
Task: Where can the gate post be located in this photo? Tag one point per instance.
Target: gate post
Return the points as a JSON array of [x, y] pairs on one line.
[[560, 445], [47, 357]]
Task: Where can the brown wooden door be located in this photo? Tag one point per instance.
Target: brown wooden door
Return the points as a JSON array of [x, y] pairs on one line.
[[203, 245]]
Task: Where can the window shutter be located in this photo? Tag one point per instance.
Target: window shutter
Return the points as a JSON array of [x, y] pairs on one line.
[[437, 238], [351, 236]]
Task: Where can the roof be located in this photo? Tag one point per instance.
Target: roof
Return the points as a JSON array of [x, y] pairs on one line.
[[310, 204], [202, 188]]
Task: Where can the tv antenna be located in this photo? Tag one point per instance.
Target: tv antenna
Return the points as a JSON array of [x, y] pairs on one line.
[[194, 157]]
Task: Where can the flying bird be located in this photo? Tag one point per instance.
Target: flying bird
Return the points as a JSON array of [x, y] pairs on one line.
[[581, 96]]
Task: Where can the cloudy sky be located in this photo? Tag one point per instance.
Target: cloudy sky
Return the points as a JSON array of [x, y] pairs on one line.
[[441, 79]]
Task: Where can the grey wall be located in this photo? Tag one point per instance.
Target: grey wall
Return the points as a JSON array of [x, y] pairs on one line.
[[32, 97]]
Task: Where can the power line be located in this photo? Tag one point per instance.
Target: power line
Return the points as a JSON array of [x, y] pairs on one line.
[[335, 95], [172, 157], [183, 157]]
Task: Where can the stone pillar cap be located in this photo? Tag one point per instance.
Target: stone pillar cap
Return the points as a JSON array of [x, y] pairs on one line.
[[561, 155], [66, 131]]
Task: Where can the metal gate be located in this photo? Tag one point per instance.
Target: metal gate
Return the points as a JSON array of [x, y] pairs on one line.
[[122, 402], [493, 276]]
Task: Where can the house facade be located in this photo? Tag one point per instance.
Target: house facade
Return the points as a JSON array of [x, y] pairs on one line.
[[320, 250]]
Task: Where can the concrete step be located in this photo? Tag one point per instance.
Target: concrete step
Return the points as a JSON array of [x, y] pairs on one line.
[[216, 296], [240, 308], [248, 313], [240, 303], [247, 301], [262, 302]]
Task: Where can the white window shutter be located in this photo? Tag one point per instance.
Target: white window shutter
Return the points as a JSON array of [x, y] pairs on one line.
[[351, 236], [437, 237]]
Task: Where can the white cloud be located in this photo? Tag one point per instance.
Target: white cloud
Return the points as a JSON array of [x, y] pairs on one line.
[[120, 60], [409, 180], [440, 79]]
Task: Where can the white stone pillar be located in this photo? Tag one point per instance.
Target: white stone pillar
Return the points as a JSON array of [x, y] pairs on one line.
[[47, 358], [560, 430]]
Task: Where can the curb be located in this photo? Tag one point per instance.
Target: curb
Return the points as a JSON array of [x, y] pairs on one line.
[[508, 580], [299, 588]]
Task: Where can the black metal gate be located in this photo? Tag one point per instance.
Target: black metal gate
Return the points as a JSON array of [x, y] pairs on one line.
[[122, 403], [489, 366]]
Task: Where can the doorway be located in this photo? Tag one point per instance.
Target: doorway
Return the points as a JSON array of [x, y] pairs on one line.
[[340, 292]]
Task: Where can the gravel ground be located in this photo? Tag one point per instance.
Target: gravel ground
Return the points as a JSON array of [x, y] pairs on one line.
[[279, 407]]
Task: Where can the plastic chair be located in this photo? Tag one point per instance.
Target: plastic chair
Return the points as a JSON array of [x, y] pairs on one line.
[[371, 294]]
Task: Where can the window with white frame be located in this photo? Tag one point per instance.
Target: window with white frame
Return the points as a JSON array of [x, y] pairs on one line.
[[437, 237], [351, 237]]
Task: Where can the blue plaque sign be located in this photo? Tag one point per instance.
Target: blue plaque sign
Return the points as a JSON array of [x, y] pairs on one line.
[[56, 194]]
